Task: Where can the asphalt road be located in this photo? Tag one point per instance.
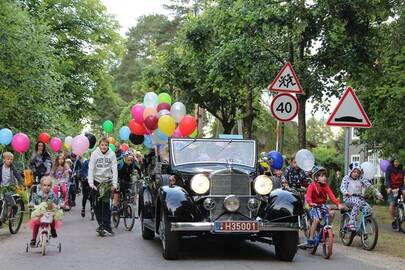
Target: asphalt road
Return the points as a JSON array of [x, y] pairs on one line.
[[83, 249]]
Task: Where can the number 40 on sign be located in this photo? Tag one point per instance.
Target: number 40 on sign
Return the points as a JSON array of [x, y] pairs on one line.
[[284, 107]]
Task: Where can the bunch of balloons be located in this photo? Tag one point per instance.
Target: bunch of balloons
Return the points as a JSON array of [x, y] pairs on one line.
[[156, 119]]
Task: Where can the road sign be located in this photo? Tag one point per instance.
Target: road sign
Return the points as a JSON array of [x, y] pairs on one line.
[[286, 81], [284, 107], [349, 112]]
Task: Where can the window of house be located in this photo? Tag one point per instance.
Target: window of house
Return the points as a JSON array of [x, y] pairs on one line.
[[373, 157], [355, 158]]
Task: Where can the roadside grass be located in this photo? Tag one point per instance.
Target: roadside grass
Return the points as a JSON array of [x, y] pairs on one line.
[[389, 242]]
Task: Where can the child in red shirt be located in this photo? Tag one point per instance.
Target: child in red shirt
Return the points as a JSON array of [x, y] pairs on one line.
[[317, 194]]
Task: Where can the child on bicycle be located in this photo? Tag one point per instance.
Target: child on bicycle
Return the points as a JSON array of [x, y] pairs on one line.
[[9, 178], [316, 196], [61, 172], [352, 188], [103, 177], [45, 201]]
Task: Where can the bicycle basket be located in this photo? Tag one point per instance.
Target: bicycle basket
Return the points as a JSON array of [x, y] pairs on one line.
[[47, 218]]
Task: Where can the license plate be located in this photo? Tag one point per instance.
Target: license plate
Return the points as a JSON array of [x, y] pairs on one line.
[[236, 226]]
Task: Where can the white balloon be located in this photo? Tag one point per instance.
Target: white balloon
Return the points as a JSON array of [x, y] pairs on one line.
[[178, 110], [305, 160], [68, 140], [151, 100], [369, 170], [163, 112]]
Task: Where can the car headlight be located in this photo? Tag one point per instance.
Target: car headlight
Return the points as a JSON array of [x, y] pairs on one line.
[[263, 185], [200, 184]]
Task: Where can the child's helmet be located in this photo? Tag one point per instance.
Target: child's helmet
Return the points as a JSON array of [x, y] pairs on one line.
[[316, 169]]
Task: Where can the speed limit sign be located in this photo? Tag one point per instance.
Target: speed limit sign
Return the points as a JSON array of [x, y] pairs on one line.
[[284, 107]]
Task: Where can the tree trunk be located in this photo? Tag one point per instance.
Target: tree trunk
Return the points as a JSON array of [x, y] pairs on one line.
[[302, 127], [248, 119], [228, 126]]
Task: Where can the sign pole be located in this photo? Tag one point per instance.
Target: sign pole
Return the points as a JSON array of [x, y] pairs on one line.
[[277, 135], [347, 158]]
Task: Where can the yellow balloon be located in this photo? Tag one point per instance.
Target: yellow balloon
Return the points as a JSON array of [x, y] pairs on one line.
[[167, 125], [111, 140], [66, 146]]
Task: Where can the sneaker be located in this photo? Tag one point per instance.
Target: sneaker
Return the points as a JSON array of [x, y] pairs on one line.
[[53, 233], [394, 225], [33, 243], [99, 229], [109, 230], [302, 246], [350, 227], [310, 243], [83, 214]]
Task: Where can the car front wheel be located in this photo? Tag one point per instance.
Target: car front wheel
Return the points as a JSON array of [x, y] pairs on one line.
[[285, 244], [170, 240]]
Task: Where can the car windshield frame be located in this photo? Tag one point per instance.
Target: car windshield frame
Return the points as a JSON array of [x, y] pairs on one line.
[[195, 149]]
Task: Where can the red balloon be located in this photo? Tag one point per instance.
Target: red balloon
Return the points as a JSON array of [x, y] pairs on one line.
[[124, 147], [163, 106], [151, 122], [187, 125], [136, 128], [44, 137]]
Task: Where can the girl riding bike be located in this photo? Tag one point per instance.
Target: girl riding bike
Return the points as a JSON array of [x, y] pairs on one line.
[[45, 201], [352, 188]]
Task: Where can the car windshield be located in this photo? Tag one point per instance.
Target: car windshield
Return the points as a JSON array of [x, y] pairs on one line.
[[188, 151]]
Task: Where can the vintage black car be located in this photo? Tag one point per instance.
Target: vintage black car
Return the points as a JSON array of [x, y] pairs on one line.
[[211, 186]]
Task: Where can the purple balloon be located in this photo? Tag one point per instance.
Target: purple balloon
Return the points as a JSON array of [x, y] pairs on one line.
[[384, 164]]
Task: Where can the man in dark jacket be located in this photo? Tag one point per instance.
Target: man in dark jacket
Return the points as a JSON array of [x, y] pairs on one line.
[[394, 179]]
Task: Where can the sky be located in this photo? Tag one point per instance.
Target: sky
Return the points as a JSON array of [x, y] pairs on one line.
[[126, 12]]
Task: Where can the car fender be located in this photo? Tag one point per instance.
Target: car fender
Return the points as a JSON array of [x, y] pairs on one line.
[[177, 203], [283, 206], [146, 203]]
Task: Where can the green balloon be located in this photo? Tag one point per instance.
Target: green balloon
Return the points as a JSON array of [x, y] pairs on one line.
[[112, 147], [194, 134], [108, 126], [165, 98]]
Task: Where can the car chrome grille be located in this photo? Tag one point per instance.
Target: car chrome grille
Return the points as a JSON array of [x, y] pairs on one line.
[[226, 184]]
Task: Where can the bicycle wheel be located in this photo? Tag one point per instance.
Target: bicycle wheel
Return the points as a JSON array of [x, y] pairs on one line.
[[129, 218], [327, 244], [345, 235], [400, 217], [43, 243], [369, 233], [116, 219], [16, 217]]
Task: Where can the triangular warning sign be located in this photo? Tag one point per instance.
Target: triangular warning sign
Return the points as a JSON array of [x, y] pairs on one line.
[[286, 81], [349, 112]]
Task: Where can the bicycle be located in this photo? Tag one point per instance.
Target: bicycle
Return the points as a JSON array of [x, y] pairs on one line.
[[125, 211], [324, 234], [44, 234], [12, 212], [367, 229], [399, 210], [304, 219]]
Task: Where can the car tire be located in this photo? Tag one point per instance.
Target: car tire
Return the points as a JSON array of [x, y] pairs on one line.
[[285, 244], [170, 240], [147, 234]]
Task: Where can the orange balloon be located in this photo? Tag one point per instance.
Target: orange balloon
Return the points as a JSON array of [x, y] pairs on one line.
[[111, 140], [149, 111]]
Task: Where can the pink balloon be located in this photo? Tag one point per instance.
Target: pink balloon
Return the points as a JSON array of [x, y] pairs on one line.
[[20, 142], [80, 144], [177, 133], [137, 113], [55, 144]]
